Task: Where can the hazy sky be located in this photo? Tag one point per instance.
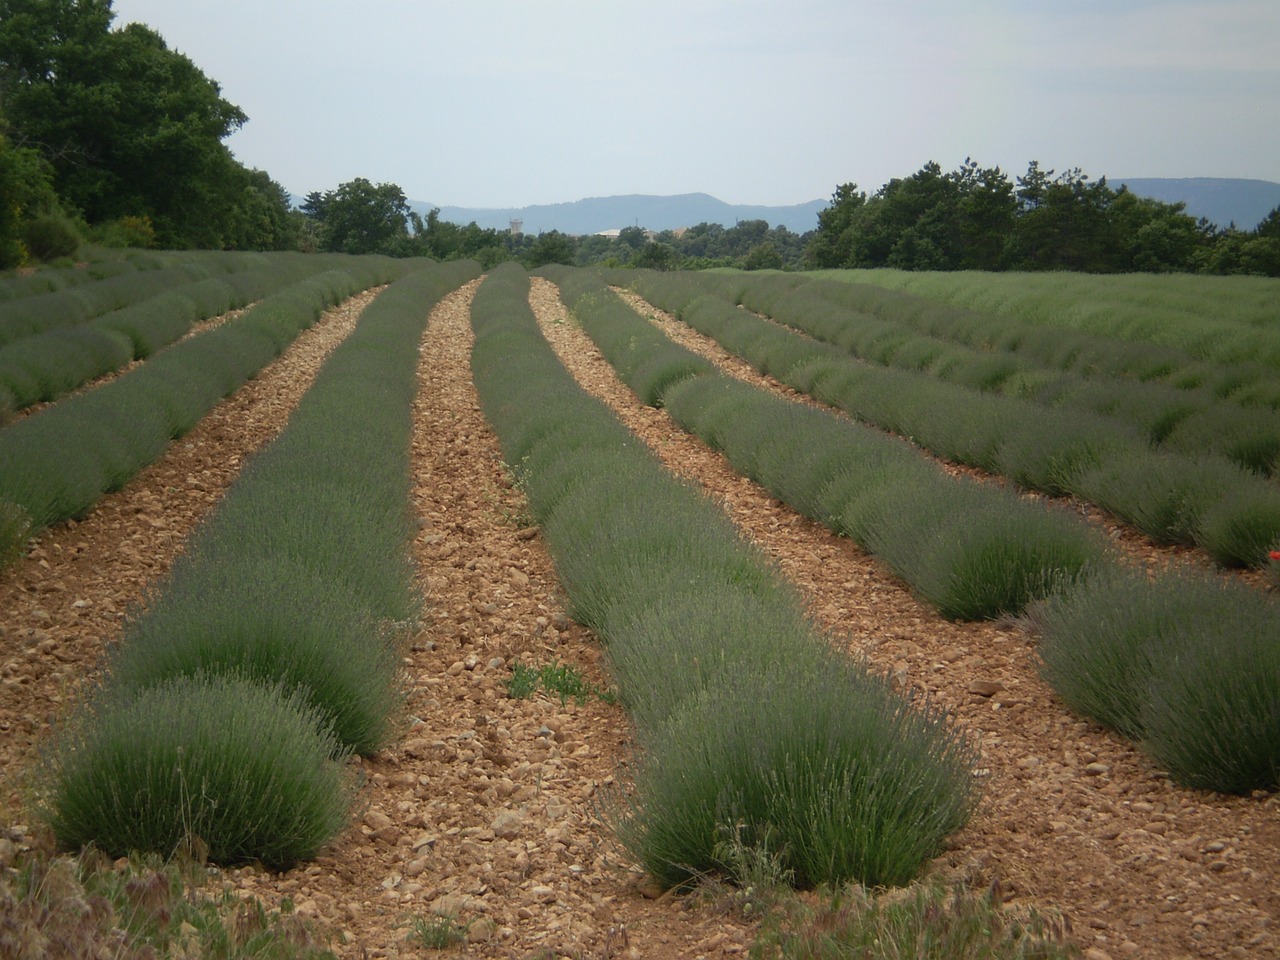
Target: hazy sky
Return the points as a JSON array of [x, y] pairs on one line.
[[516, 102]]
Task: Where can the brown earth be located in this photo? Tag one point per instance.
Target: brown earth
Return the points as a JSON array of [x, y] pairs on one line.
[[486, 807]]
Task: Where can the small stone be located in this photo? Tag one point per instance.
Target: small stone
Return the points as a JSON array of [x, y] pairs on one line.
[[481, 930], [985, 688], [415, 868], [543, 894], [650, 889], [526, 533], [419, 748], [507, 824], [1096, 769], [383, 827], [1093, 953]]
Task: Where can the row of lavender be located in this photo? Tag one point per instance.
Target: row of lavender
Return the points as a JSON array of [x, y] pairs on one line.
[[270, 653], [1188, 664]]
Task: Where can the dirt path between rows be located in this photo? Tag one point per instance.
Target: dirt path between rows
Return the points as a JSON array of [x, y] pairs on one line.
[[1074, 818]]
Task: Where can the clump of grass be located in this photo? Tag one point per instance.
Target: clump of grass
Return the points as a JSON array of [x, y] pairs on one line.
[[240, 770], [562, 679], [439, 931], [929, 921], [87, 906]]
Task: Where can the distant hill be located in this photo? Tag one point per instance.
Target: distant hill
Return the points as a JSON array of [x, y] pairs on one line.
[[1221, 201], [634, 210]]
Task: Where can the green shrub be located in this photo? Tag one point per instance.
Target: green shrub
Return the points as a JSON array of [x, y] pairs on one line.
[[270, 619], [1164, 497], [46, 366], [1240, 529], [1250, 436], [645, 359], [683, 638], [1050, 450], [57, 463], [1098, 644], [49, 236], [1000, 557], [243, 771], [826, 771], [1213, 715], [1187, 664]]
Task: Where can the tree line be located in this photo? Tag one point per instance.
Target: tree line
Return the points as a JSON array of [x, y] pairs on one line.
[[976, 218], [109, 136]]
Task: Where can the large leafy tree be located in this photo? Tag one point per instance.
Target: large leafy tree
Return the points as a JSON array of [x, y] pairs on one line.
[[838, 227], [362, 217], [129, 127]]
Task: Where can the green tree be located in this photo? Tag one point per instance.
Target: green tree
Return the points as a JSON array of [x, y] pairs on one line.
[[551, 247], [655, 256], [985, 210], [763, 256], [260, 217], [129, 127], [838, 224], [26, 193], [1065, 224], [1156, 237], [1269, 225], [361, 217]]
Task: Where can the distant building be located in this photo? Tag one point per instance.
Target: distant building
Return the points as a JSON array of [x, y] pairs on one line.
[[517, 227]]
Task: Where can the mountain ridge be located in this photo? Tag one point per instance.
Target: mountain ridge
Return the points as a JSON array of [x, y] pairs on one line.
[[649, 211], [1220, 200]]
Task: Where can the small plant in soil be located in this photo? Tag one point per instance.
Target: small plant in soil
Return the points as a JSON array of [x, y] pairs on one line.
[[436, 932], [562, 679], [928, 921], [145, 907]]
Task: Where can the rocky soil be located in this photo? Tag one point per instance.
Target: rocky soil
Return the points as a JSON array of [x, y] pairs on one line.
[[487, 807]]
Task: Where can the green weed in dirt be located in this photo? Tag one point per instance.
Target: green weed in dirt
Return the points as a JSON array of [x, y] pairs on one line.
[[436, 932], [561, 679]]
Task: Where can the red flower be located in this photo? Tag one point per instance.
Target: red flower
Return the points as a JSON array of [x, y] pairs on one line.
[[1275, 554]]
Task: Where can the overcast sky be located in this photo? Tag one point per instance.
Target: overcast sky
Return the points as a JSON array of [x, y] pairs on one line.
[[516, 102]]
